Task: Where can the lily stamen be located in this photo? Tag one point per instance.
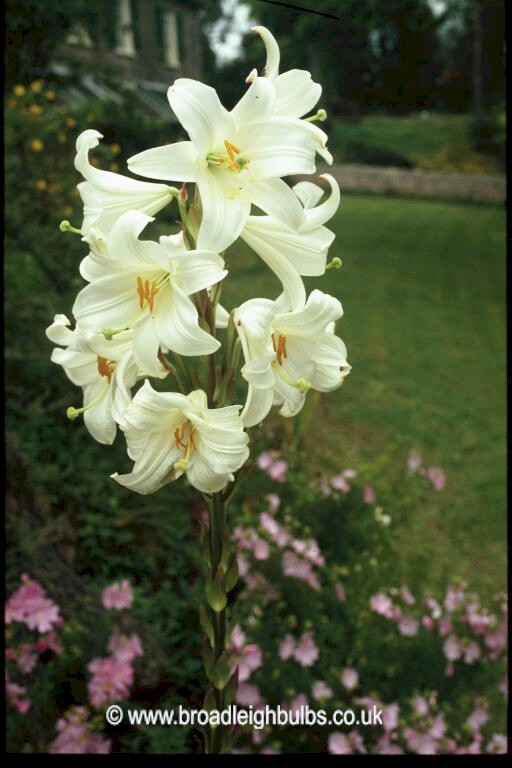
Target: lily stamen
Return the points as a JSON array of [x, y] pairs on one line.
[[72, 412], [146, 291], [106, 368], [320, 116], [301, 384], [280, 349], [179, 434]]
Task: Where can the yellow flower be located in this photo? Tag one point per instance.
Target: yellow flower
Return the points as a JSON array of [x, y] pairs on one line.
[[116, 149], [50, 95], [19, 90], [36, 86], [35, 109], [61, 138], [114, 167], [90, 117], [41, 184], [68, 211], [37, 145], [71, 122], [11, 103]]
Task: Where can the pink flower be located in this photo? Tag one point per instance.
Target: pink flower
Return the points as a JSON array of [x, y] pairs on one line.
[[30, 606], [273, 501], [436, 477], [265, 460], [276, 532], [321, 691], [49, 642], [275, 467], [368, 495], [454, 598], [382, 604], [421, 743], [14, 695], [248, 657], [297, 703], [260, 548], [75, 736], [248, 695], [445, 626], [437, 729], [406, 595], [427, 622], [472, 652], [277, 471], [306, 652], [478, 717], [503, 687], [287, 647], [414, 460], [349, 678], [124, 647], [111, 681], [497, 744], [497, 640], [390, 717], [449, 670], [340, 592], [27, 657], [339, 482], [339, 744], [386, 747], [452, 648], [408, 626], [118, 595], [299, 569], [350, 474], [420, 706]]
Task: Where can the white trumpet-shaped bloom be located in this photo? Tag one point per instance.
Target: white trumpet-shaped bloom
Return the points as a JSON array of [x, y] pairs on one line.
[[145, 286], [106, 195], [169, 434], [292, 253], [289, 352], [106, 371], [296, 92], [236, 158]]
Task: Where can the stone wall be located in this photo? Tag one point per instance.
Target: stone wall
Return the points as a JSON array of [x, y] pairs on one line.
[[418, 183]]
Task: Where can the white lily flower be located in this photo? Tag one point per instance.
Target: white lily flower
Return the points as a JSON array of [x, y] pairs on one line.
[[288, 352], [236, 158], [145, 286], [169, 434], [106, 371], [289, 253], [296, 93], [106, 195]]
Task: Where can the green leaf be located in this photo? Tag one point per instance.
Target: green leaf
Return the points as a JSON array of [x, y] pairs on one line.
[[207, 625], [221, 671], [216, 593]]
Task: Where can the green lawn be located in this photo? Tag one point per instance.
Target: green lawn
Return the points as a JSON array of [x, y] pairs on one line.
[[423, 289], [438, 142]]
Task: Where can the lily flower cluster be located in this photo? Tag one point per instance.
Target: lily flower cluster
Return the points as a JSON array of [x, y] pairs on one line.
[[151, 305]]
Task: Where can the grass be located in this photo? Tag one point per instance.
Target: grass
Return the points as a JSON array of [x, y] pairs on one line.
[[423, 289], [437, 141]]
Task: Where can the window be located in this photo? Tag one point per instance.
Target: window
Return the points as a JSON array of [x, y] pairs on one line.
[[125, 40]]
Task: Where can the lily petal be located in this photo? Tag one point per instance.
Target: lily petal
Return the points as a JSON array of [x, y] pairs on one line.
[[200, 112], [297, 94], [223, 217], [177, 325], [275, 197], [320, 310], [273, 55], [175, 162], [257, 104]]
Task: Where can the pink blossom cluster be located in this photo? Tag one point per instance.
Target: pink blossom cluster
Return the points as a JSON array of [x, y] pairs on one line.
[[15, 696], [422, 730], [112, 676], [275, 467], [304, 651], [30, 606], [299, 557], [76, 737], [247, 656], [470, 633], [435, 474], [118, 595]]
